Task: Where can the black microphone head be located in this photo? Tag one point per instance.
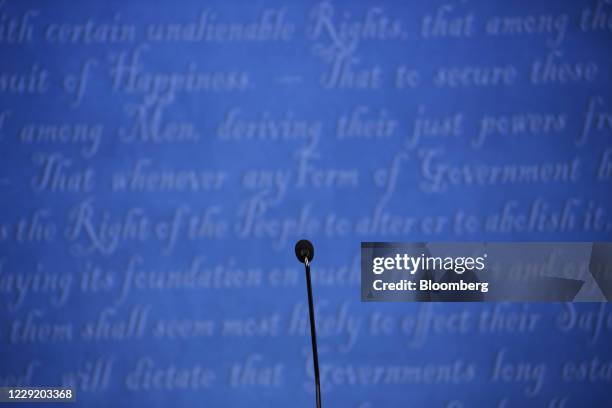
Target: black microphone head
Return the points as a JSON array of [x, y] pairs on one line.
[[303, 250]]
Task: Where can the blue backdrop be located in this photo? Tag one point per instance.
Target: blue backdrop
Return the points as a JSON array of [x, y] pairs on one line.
[[159, 160]]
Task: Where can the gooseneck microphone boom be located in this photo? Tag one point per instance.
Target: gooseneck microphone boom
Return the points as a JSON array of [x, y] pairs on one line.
[[305, 252]]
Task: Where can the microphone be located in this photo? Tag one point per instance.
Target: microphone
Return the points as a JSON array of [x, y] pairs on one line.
[[304, 251]]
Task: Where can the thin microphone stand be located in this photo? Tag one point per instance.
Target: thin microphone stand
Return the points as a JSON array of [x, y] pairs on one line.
[[313, 335]]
